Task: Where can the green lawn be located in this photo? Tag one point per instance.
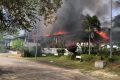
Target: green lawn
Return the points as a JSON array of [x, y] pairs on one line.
[[85, 66], [66, 63]]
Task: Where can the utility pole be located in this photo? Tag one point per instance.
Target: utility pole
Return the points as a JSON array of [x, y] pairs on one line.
[[36, 51], [111, 45], [36, 42], [36, 45], [89, 41], [28, 44]]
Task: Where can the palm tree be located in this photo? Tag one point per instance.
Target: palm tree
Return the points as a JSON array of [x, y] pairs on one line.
[[91, 24]]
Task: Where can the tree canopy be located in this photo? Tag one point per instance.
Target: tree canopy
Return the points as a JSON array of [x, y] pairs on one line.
[[116, 21], [23, 14], [91, 25], [18, 44], [92, 22]]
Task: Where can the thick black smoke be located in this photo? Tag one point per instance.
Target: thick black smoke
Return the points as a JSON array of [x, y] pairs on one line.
[[116, 22], [116, 29], [116, 4], [72, 14]]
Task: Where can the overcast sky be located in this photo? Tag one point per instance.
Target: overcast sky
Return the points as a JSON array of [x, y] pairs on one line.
[[115, 11]]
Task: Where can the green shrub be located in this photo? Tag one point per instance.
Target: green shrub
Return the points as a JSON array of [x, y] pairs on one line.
[[64, 58], [95, 50], [33, 51], [85, 50], [86, 57], [2, 49], [60, 52], [27, 53], [111, 59], [71, 56], [104, 52], [97, 58], [114, 59], [49, 54], [18, 44]]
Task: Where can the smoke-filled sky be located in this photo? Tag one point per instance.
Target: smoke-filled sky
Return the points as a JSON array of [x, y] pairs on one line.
[[116, 7], [72, 12], [100, 8]]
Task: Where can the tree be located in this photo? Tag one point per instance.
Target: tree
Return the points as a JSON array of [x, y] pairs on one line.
[[91, 24], [116, 21], [23, 14], [18, 44]]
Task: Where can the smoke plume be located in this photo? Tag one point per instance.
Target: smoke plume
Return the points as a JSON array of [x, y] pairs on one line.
[[72, 13]]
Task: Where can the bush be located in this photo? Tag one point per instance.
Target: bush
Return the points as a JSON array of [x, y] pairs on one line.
[[85, 50], [72, 48], [104, 52], [99, 58], [86, 57], [71, 56], [27, 53], [60, 52], [2, 49], [49, 54], [18, 44], [111, 59], [33, 51], [114, 59], [64, 58]]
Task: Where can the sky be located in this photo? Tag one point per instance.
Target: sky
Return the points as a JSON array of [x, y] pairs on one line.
[[115, 12], [116, 7]]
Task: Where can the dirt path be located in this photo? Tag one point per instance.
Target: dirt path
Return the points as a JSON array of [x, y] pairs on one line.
[[19, 69]]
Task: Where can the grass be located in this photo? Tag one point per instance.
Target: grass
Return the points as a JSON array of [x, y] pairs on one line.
[[114, 67], [65, 62], [85, 66]]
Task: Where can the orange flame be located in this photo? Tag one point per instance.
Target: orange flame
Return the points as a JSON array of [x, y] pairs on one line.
[[59, 33], [47, 35], [56, 34], [103, 35]]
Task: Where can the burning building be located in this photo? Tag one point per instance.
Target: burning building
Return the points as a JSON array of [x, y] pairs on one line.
[[61, 39], [56, 39], [71, 15], [68, 28]]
